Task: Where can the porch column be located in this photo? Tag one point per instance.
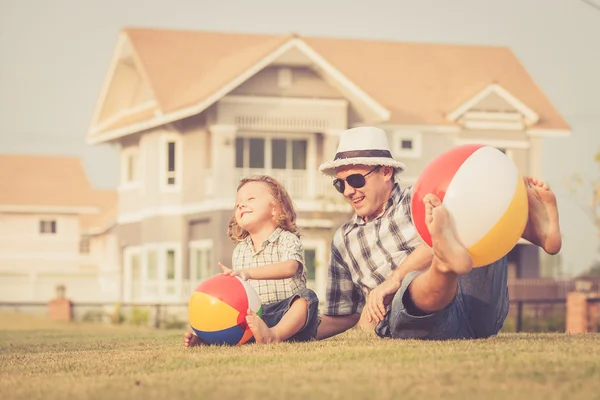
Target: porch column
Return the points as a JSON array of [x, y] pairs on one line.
[[223, 161], [535, 157], [331, 138]]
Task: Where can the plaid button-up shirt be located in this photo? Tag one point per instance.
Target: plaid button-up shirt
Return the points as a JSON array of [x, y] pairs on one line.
[[280, 246], [364, 254]]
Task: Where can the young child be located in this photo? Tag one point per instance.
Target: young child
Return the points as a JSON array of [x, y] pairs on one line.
[[269, 256]]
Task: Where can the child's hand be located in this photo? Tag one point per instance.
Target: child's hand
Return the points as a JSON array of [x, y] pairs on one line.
[[228, 271]]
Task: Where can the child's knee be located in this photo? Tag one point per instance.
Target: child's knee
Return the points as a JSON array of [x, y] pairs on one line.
[[300, 302]]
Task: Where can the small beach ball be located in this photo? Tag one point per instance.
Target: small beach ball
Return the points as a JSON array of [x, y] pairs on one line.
[[484, 192], [218, 307]]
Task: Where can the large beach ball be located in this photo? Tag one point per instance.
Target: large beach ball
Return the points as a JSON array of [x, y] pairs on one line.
[[485, 194], [218, 307]]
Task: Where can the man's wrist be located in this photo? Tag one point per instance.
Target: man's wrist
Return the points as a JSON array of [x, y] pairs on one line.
[[397, 275]]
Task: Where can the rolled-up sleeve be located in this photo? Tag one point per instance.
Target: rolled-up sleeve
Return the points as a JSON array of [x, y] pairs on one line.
[[291, 249]]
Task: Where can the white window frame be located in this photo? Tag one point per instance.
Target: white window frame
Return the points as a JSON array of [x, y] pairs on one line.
[[320, 247], [146, 249], [128, 253], [162, 272], [126, 154], [310, 147], [163, 162], [194, 247], [415, 137]]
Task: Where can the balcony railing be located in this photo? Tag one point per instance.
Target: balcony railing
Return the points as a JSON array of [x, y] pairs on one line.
[[300, 184], [297, 182]]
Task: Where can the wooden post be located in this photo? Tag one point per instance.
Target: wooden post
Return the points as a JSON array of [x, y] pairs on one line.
[[519, 327], [60, 308], [577, 319]]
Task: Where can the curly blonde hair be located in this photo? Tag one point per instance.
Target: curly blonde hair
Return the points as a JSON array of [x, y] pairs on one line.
[[286, 215]]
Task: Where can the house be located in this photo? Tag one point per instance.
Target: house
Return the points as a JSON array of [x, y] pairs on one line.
[[192, 112], [55, 230]]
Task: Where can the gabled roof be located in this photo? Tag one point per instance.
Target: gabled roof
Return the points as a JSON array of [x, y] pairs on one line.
[[52, 184], [414, 83], [107, 203], [184, 67]]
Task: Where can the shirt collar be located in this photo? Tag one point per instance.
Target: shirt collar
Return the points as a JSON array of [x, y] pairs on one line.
[[272, 238], [394, 198]]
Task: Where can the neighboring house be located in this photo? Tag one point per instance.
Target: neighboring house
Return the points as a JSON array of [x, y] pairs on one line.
[[55, 230], [193, 112]]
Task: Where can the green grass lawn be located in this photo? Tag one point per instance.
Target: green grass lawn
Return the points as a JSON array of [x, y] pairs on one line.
[[44, 360]]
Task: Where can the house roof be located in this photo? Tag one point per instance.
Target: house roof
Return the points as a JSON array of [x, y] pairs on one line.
[[48, 184], [420, 84], [185, 67], [107, 203]]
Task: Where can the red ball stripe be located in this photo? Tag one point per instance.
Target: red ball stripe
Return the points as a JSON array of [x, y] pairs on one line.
[[436, 178]]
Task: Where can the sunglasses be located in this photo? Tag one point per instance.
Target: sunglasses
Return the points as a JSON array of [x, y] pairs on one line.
[[355, 180]]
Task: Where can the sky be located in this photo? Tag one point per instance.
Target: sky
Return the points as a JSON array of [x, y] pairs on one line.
[[54, 55]]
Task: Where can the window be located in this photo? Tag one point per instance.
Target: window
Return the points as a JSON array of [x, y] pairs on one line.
[[407, 144], [171, 272], [151, 289], [84, 244], [133, 273], [129, 166], [152, 266], [310, 256], [48, 227], [171, 178], [201, 263], [171, 163], [271, 153]]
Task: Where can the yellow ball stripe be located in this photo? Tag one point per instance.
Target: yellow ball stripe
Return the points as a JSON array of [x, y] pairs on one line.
[[209, 314], [504, 235]]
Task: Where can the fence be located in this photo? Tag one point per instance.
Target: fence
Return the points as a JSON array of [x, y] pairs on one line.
[[537, 305], [157, 315]]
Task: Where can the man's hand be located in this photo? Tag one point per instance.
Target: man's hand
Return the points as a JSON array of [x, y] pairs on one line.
[[380, 297], [245, 275]]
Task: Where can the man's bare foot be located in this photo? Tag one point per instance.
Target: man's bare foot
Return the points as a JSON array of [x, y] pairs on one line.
[[191, 340], [262, 333], [447, 247], [542, 227]]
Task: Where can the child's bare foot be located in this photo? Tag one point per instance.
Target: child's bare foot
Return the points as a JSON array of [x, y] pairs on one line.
[[542, 227], [262, 333], [447, 247], [191, 340]]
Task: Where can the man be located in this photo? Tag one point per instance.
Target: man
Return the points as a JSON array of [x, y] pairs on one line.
[[380, 265]]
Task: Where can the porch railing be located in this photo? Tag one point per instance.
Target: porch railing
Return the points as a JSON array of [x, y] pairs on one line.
[[300, 184]]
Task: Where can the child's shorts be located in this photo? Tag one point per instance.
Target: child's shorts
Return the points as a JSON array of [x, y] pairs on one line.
[[273, 312]]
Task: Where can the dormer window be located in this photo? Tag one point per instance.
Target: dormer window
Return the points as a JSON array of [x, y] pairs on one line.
[[407, 144]]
